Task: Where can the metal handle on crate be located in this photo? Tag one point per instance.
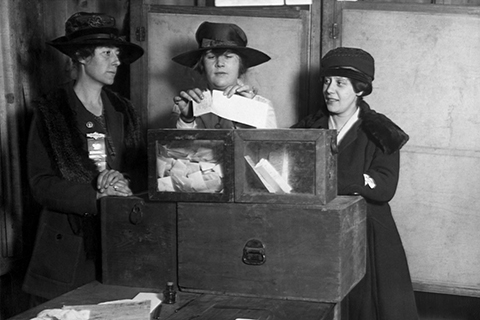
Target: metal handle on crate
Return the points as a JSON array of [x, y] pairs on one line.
[[254, 253], [136, 214]]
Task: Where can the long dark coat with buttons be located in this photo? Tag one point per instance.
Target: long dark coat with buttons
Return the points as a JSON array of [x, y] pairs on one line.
[[372, 146], [63, 179]]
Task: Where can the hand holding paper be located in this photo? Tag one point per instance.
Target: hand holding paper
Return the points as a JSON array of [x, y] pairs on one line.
[[236, 108]]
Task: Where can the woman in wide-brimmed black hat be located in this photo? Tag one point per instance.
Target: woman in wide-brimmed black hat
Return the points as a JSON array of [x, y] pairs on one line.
[[222, 57], [85, 143]]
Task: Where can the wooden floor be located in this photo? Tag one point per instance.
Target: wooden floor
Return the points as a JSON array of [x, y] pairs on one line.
[[430, 306], [447, 307]]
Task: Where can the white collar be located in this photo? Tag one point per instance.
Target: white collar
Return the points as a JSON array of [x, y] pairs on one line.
[[343, 130]]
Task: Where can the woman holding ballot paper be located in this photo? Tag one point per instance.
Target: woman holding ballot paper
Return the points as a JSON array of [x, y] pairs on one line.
[[222, 58]]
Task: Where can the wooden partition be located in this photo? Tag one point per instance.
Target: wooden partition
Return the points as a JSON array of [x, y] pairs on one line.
[[282, 33], [428, 81]]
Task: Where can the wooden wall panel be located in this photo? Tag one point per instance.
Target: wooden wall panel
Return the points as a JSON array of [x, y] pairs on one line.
[[170, 31], [427, 81]]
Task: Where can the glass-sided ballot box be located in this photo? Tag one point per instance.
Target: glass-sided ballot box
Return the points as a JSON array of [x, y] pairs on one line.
[[190, 165], [296, 166]]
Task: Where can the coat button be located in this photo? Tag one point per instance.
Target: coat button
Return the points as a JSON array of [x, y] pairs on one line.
[[89, 124]]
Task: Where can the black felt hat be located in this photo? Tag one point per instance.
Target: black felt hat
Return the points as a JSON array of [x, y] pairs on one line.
[[212, 35], [348, 62], [84, 28]]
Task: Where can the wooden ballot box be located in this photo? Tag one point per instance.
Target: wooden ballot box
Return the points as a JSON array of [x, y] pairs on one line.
[[295, 166], [138, 242], [311, 253], [250, 239]]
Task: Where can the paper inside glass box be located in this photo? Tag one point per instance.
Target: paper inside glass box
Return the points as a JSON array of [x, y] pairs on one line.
[[269, 176], [189, 166], [280, 168], [296, 166]]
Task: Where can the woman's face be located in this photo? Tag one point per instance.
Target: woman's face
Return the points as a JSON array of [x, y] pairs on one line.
[[339, 95], [102, 66], [221, 71]]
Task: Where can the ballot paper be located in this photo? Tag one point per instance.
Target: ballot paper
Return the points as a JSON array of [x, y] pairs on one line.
[[60, 314], [153, 297], [269, 176], [236, 108], [143, 306], [188, 170]]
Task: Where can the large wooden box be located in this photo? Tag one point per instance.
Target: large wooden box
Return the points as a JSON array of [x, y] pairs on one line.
[[138, 242], [190, 165], [310, 252], [297, 166]]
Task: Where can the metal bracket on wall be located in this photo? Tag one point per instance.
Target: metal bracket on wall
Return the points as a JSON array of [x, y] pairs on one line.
[[140, 34], [334, 31]]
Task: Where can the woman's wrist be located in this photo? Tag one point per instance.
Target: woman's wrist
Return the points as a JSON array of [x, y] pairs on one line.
[[184, 119]]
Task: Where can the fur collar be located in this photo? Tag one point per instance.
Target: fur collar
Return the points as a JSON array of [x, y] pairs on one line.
[[384, 131], [63, 140], [381, 130]]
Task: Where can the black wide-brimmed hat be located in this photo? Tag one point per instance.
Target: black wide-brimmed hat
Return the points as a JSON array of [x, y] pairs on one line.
[[85, 28], [212, 35]]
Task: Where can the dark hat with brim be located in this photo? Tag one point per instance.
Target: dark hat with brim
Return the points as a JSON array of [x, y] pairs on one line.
[[213, 36], [84, 29], [353, 63]]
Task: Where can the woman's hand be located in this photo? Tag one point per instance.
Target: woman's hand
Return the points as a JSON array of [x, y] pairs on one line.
[[112, 183], [241, 89], [183, 101]]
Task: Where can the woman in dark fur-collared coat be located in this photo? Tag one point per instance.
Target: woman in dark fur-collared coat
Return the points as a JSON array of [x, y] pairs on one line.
[[368, 165], [85, 143]]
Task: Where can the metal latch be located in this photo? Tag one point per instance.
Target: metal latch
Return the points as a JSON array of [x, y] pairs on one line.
[[254, 252], [334, 31]]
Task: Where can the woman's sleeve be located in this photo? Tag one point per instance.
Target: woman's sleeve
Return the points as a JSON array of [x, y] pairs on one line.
[[177, 121], [52, 191], [384, 171]]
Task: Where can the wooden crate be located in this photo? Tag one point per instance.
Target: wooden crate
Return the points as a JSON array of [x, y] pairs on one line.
[[310, 252], [138, 242], [304, 160], [187, 145]]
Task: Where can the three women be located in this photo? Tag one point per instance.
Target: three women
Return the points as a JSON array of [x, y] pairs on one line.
[[68, 175]]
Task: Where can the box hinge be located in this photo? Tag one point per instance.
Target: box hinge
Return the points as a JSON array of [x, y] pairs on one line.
[[140, 34], [334, 31]]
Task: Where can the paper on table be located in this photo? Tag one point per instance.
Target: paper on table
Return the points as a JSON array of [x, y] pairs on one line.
[[155, 301], [153, 297], [235, 108]]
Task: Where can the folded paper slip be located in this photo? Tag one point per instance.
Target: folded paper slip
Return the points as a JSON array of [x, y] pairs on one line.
[[236, 108]]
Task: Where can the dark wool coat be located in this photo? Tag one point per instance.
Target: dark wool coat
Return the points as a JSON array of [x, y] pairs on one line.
[[372, 147], [63, 181]]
